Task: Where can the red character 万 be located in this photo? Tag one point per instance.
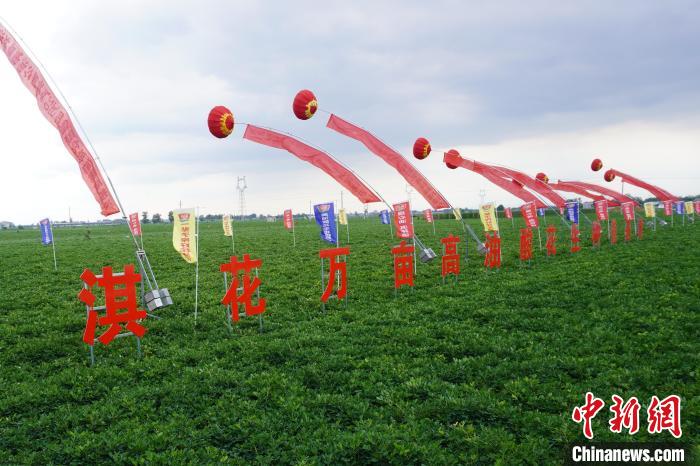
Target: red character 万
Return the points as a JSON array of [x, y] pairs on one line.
[[337, 270], [586, 413], [403, 264], [249, 287], [450, 258], [120, 294]]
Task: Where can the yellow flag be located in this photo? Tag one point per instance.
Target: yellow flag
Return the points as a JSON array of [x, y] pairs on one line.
[[458, 214], [688, 207], [487, 213], [184, 230], [342, 217], [650, 209], [227, 225]]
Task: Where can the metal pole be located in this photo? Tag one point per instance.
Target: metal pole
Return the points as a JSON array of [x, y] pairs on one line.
[[294, 235], [53, 246], [196, 268]]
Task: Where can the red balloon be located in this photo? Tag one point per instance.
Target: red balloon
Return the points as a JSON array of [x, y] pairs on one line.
[[421, 148], [305, 104], [542, 177], [596, 165], [452, 152], [220, 121], [609, 176]]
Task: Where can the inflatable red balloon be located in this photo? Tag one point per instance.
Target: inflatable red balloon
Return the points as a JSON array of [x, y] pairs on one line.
[[220, 121], [542, 177], [452, 152], [421, 148], [609, 176], [305, 104], [596, 165]]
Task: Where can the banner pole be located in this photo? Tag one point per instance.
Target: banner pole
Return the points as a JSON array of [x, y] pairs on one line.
[[433, 222], [196, 267], [294, 235], [539, 236], [347, 228], [53, 246]]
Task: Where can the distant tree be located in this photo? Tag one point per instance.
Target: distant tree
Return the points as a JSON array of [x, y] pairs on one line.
[[144, 217], [171, 216], [156, 218]]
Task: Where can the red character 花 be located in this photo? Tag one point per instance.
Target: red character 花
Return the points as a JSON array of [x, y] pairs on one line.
[[665, 415], [336, 269], [493, 251], [122, 286], [625, 415], [450, 258], [551, 243], [587, 412], [525, 244], [234, 267], [403, 264]]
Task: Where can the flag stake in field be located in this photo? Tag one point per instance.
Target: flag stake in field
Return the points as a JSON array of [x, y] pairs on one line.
[[196, 266], [47, 238]]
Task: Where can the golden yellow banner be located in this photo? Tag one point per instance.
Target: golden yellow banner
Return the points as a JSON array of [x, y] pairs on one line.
[[458, 214], [650, 209], [689, 207], [342, 217], [228, 231], [487, 213], [184, 230]]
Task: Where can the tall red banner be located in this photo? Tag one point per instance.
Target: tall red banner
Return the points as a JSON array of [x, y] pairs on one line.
[[313, 156], [135, 224], [403, 220], [696, 204], [601, 209], [529, 213], [508, 212], [393, 158], [428, 215], [660, 194], [57, 115], [628, 211], [288, 219], [668, 208]]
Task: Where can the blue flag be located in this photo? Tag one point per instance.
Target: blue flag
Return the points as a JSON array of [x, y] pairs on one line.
[[572, 212], [46, 233], [325, 217], [384, 217], [680, 208], [540, 211]]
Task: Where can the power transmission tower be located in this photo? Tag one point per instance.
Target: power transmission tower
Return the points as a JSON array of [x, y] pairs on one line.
[[241, 186]]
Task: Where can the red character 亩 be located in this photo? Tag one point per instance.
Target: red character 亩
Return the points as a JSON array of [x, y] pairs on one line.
[[625, 415], [250, 286], [403, 264], [665, 415], [525, 244], [335, 269], [120, 294], [493, 251], [613, 231], [450, 258], [596, 232], [575, 239], [587, 412], [628, 230], [551, 243]]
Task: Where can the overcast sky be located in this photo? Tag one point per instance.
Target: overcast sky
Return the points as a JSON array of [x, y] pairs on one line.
[[531, 85]]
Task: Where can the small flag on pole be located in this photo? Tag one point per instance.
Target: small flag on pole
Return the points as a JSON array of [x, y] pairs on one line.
[[508, 212], [384, 217], [184, 230], [325, 217], [572, 211], [689, 208], [628, 211], [46, 232], [135, 224], [487, 214], [650, 209], [668, 208], [226, 223], [403, 220], [288, 219], [529, 213], [601, 209], [428, 215], [458, 214], [342, 217]]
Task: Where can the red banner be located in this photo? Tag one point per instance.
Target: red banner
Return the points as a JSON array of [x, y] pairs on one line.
[[403, 220], [661, 194], [288, 219], [668, 207], [529, 213], [619, 197], [601, 209], [573, 188], [628, 211], [135, 224], [313, 156], [393, 158], [696, 204], [508, 212], [57, 115], [428, 214], [538, 186]]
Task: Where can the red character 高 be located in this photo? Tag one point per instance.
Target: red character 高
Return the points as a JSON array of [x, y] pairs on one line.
[[450, 258]]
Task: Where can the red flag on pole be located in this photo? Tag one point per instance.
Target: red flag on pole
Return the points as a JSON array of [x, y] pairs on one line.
[[428, 215], [135, 224], [601, 209], [529, 213], [288, 220], [403, 220]]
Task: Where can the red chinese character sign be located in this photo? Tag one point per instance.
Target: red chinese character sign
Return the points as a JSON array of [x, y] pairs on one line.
[[628, 230], [640, 228], [428, 215], [529, 213], [628, 211], [525, 244], [288, 219], [120, 295], [668, 208], [508, 213], [337, 272], [493, 251], [403, 264], [596, 232], [601, 209], [450, 258], [575, 238], [242, 281], [613, 231], [551, 244], [135, 224], [403, 220]]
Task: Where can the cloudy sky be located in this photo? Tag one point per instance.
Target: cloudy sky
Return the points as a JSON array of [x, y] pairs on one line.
[[531, 85]]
